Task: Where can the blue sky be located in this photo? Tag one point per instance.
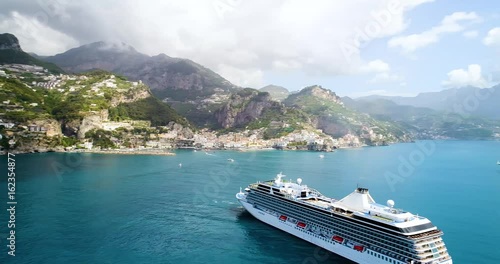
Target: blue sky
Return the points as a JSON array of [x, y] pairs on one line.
[[426, 68], [426, 45]]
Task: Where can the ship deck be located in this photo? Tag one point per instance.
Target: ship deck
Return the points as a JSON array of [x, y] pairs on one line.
[[316, 202]]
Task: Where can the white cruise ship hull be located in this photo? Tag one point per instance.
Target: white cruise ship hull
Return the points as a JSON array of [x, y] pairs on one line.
[[344, 250]]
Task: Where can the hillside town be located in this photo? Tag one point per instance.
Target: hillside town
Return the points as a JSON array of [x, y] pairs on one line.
[[41, 135]]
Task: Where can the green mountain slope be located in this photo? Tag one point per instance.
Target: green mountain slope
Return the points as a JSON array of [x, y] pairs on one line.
[[252, 109], [467, 101], [426, 122], [277, 92], [170, 78], [337, 120], [78, 96]]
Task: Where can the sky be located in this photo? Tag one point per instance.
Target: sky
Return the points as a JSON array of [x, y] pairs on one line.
[[353, 47]]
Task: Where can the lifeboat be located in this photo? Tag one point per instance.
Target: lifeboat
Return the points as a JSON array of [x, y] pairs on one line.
[[338, 239], [283, 217], [359, 248], [301, 225]]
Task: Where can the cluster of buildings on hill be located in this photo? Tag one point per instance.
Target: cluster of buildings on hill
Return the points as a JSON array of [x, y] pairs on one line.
[[169, 137]]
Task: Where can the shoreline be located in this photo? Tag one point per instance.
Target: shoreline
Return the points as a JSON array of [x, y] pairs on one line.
[[171, 152], [155, 152]]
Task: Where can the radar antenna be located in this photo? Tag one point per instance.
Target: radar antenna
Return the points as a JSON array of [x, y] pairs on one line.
[[278, 178]]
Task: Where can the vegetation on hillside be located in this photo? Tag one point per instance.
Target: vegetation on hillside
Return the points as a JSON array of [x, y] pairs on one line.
[[337, 120], [80, 95], [152, 109], [427, 122], [21, 57]]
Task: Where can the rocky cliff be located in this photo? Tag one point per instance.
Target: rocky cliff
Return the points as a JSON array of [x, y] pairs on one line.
[[9, 42], [11, 52], [244, 107], [278, 93], [338, 121]]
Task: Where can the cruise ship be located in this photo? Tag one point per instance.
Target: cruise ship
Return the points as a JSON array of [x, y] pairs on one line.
[[355, 227]]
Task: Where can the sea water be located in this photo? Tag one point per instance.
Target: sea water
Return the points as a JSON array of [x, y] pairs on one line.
[[103, 208]]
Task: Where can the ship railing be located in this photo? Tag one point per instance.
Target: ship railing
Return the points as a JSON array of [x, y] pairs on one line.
[[254, 185], [391, 254], [423, 243], [310, 204], [316, 192], [429, 233], [430, 255], [386, 249]]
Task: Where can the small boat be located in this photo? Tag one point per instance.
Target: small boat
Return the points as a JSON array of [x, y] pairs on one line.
[[283, 217], [338, 239], [321, 156], [359, 248], [301, 225], [230, 160]]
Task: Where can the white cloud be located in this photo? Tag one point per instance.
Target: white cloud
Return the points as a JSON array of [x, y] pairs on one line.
[[376, 66], [382, 72], [493, 37], [231, 37], [35, 36], [471, 76], [470, 34], [245, 78], [450, 24]]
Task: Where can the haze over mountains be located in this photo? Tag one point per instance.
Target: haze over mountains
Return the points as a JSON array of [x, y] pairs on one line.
[[172, 78], [465, 101], [277, 92], [206, 99]]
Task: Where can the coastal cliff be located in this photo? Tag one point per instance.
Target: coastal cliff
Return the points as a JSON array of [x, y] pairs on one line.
[[244, 107]]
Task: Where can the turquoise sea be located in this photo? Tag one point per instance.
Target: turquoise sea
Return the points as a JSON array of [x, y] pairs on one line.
[[94, 208]]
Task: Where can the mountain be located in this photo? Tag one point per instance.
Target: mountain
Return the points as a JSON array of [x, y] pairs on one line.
[[9, 42], [335, 119], [253, 109], [427, 123], [174, 79], [78, 96], [387, 109], [464, 101], [278, 93], [11, 52], [49, 111], [191, 89]]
